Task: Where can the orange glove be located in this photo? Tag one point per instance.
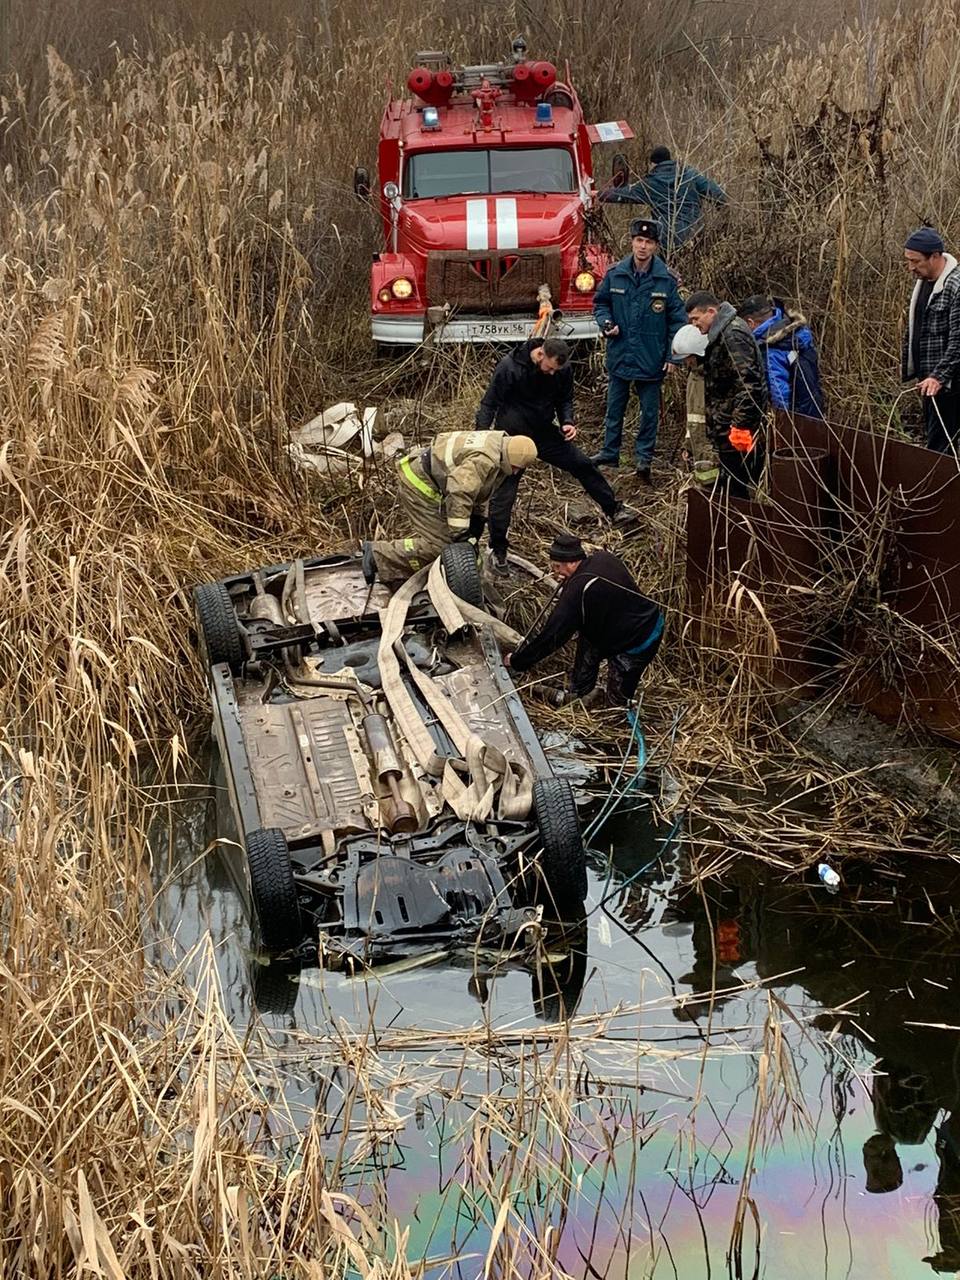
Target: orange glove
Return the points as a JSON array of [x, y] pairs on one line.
[[742, 439]]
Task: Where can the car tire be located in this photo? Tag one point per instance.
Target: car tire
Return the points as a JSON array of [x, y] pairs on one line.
[[556, 987], [390, 352], [273, 889], [563, 863], [462, 572], [273, 989], [217, 621]]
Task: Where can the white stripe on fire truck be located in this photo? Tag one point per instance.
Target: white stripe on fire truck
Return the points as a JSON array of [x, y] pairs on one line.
[[508, 234], [477, 237]]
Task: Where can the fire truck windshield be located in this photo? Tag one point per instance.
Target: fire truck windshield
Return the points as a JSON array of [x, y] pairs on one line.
[[478, 171]]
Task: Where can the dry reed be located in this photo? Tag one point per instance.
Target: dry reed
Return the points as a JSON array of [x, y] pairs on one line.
[[183, 276]]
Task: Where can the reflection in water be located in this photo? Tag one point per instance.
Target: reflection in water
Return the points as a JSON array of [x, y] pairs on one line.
[[424, 1079]]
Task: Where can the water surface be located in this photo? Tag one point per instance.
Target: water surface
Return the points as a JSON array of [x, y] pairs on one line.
[[631, 1146]]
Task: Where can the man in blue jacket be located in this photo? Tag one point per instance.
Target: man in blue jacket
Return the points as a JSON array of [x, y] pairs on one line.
[[675, 193], [793, 372], [639, 309]]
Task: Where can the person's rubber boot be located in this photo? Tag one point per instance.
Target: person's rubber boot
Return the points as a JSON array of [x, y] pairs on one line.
[[602, 459], [643, 477], [500, 565], [368, 563], [623, 515]]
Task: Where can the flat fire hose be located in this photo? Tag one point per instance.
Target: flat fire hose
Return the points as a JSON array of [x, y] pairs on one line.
[[489, 771], [402, 707], [485, 764], [491, 776], [455, 613]]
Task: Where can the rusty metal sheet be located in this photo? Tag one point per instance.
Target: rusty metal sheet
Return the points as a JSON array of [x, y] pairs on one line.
[[304, 770], [341, 593], [894, 527]]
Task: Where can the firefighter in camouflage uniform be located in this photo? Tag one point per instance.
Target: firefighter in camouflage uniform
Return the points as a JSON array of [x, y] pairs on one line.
[[735, 392], [444, 493]]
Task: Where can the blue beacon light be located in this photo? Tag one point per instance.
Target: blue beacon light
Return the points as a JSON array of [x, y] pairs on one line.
[[431, 118], [544, 113]]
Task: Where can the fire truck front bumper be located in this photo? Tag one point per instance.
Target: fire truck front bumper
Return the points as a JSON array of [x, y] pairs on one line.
[[408, 331]]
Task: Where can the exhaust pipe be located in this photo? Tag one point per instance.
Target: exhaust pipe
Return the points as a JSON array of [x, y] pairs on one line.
[[398, 815]]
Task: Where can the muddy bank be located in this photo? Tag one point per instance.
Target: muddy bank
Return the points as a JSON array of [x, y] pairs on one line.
[[910, 766]]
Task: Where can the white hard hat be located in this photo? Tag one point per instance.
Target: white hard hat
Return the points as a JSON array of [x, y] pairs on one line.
[[689, 341]]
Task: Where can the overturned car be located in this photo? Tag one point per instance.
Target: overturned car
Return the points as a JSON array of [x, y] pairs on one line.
[[389, 790]]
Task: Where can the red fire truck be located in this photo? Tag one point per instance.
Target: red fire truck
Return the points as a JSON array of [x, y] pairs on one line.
[[490, 220]]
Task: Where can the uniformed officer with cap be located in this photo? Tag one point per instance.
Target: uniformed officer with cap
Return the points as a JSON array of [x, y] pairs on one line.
[[639, 309]]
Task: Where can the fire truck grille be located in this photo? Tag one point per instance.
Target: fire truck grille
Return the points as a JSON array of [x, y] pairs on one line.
[[492, 282]]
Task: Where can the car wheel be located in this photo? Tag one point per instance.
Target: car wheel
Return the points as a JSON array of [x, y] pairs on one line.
[[462, 572], [273, 889], [273, 989], [563, 863], [217, 621], [557, 986], [390, 352]]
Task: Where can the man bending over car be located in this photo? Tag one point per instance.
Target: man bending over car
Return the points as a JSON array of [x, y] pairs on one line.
[[531, 394], [444, 493], [601, 603]]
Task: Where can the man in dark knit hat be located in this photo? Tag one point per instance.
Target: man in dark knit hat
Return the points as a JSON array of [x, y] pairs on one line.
[[601, 604], [674, 191], [931, 342]]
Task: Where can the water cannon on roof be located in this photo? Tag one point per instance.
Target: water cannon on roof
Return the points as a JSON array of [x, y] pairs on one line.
[[434, 81], [434, 88]]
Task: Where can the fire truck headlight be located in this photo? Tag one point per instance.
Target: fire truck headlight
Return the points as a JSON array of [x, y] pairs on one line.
[[385, 295], [401, 288], [585, 282]]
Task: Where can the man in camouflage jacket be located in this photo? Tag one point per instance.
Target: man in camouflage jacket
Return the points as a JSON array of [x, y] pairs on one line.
[[735, 390], [444, 494]]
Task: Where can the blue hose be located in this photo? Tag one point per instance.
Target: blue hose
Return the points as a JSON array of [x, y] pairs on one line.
[[616, 796]]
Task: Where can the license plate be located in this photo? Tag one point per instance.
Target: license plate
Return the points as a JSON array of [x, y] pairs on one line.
[[498, 329]]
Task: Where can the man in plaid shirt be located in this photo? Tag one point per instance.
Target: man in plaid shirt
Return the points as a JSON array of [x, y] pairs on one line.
[[931, 343]]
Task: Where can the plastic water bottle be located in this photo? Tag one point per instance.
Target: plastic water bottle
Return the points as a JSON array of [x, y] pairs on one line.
[[828, 877]]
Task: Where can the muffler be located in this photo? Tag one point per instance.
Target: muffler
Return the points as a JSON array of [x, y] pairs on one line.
[[398, 815]]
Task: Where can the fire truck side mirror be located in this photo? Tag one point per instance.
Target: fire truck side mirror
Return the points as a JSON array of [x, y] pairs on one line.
[[361, 184]]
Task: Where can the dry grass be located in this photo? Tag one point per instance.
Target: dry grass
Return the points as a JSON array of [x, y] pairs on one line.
[[183, 275]]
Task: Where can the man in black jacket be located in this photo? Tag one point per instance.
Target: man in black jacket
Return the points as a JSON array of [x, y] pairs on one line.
[[531, 391], [602, 604]]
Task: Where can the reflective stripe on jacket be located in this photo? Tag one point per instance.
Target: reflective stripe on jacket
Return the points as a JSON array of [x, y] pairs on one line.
[[465, 468]]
